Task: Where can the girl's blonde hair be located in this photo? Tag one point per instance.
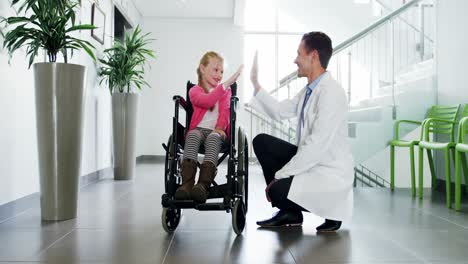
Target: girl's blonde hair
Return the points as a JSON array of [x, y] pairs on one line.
[[205, 60]]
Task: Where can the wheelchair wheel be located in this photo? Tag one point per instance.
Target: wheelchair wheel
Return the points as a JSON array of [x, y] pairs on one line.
[[246, 176], [238, 216], [239, 210], [243, 169], [170, 218]]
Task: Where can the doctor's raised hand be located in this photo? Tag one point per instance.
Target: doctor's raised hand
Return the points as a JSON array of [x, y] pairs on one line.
[[254, 73]]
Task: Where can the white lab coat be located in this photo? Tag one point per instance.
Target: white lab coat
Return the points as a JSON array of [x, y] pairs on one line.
[[323, 165]]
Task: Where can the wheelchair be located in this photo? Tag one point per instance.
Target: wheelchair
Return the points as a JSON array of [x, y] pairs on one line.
[[234, 192]]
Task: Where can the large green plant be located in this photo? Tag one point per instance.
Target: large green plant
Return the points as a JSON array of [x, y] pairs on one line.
[[46, 24], [123, 64]]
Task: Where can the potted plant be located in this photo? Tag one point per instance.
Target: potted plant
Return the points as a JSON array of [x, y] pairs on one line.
[[123, 71], [59, 91]]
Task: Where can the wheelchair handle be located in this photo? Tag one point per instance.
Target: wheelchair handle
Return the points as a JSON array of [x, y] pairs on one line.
[[234, 89], [180, 100]]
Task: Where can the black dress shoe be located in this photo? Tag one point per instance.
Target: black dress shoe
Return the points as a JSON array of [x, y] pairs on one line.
[[329, 226], [283, 218]]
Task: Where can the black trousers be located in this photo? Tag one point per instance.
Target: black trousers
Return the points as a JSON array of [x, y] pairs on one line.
[[273, 153]]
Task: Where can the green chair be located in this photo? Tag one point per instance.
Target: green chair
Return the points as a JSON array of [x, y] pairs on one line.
[[460, 149], [434, 112], [442, 124]]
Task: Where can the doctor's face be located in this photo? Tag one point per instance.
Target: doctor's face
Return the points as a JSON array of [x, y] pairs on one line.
[[304, 60]]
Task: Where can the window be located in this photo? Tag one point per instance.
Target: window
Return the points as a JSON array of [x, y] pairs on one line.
[[276, 37]]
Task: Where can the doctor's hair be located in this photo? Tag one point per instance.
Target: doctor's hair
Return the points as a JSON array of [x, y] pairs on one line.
[[205, 60], [320, 42]]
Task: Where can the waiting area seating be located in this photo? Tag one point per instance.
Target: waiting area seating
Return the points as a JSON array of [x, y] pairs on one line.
[[437, 133]]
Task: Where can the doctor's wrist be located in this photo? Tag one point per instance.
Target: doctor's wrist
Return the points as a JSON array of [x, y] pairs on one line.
[[257, 88]]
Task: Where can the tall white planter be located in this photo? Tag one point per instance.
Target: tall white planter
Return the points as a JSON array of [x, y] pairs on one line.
[[60, 96], [124, 120]]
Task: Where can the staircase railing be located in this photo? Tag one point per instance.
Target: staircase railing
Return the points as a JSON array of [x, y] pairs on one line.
[[368, 178], [406, 21], [268, 125]]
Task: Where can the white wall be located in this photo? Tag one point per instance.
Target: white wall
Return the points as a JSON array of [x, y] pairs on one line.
[[18, 162], [451, 57], [18, 153], [451, 51], [18, 159], [179, 45]]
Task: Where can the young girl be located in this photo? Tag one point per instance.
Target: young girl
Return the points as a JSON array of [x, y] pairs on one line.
[[209, 125]]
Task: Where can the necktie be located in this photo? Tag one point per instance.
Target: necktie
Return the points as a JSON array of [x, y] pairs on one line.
[[308, 93]]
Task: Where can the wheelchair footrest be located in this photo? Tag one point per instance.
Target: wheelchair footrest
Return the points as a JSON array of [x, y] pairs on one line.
[[211, 206], [180, 203], [168, 202], [218, 191]]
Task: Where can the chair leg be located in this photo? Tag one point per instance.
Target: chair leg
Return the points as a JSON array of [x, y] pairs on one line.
[[413, 176], [465, 169], [457, 181], [421, 171], [448, 180], [431, 166], [392, 167], [453, 155]]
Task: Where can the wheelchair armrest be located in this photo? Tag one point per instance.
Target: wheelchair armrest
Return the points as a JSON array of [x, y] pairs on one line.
[[179, 99]]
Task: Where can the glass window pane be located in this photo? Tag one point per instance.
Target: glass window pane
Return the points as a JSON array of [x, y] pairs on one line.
[[265, 44], [287, 52]]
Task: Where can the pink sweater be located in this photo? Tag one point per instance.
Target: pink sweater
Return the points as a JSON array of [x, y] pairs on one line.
[[202, 102]]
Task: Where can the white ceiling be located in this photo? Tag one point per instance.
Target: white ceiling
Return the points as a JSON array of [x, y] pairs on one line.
[[186, 8]]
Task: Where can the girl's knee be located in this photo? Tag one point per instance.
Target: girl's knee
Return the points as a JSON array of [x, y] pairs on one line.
[[194, 133], [214, 136]]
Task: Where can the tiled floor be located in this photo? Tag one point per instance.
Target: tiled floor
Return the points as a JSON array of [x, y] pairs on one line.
[[120, 222]]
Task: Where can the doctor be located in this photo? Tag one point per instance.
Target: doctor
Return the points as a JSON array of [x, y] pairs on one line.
[[316, 175]]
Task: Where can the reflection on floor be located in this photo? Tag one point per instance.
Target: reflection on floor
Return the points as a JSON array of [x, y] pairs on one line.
[[119, 222]]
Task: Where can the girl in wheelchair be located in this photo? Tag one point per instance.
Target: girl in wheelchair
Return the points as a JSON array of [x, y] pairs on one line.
[[209, 126]]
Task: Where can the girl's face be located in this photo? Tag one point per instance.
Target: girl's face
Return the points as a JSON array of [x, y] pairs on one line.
[[213, 72]]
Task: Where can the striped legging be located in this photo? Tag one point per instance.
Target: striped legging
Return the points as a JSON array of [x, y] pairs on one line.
[[198, 136]]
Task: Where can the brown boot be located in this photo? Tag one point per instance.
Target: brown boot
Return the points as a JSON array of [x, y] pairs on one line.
[[207, 174], [188, 171]]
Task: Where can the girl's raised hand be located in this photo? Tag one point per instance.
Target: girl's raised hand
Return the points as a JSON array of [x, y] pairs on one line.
[[233, 78]]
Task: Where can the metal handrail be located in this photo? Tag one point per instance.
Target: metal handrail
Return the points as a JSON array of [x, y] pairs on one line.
[[404, 20], [361, 180], [345, 44], [372, 176], [272, 123]]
